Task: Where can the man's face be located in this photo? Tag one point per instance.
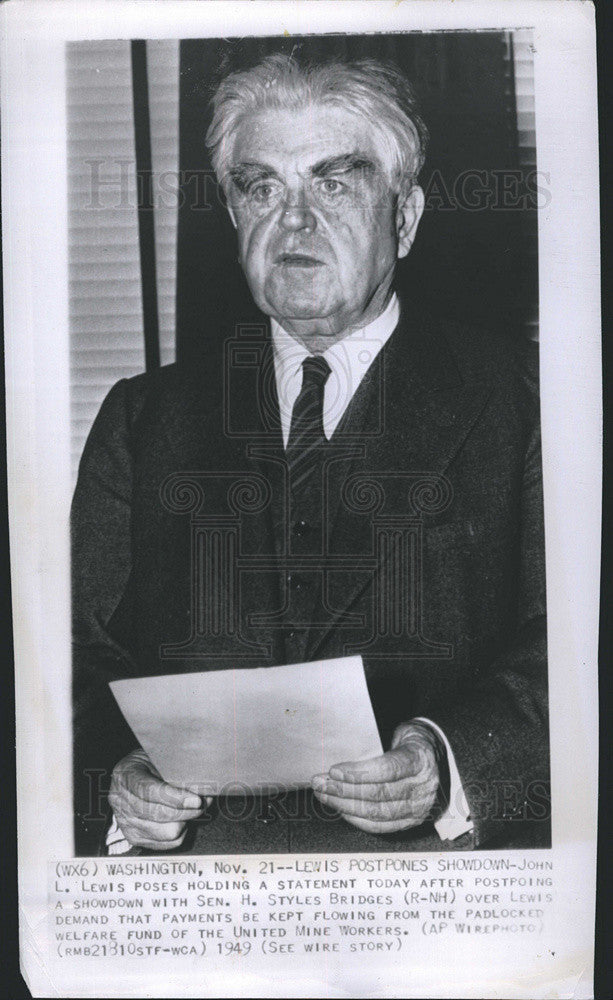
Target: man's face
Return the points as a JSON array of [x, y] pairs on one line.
[[319, 231]]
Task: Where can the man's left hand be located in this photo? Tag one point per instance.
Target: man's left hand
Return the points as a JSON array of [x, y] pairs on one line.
[[395, 791]]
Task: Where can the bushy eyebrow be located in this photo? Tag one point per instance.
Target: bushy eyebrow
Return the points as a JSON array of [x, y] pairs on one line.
[[245, 173], [343, 164]]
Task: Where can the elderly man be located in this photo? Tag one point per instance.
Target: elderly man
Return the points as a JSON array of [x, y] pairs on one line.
[[401, 516]]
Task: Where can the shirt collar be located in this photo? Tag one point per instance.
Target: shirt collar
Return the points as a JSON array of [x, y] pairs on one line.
[[349, 360]]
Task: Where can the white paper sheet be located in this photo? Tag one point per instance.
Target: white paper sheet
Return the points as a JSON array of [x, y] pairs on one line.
[[260, 727]]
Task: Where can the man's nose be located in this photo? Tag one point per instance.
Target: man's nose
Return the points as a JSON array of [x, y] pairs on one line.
[[296, 214]]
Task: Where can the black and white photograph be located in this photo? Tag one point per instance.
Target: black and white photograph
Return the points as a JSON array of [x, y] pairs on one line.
[[306, 626], [342, 461]]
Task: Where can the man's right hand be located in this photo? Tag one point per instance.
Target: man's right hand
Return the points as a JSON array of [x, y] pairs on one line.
[[150, 812]]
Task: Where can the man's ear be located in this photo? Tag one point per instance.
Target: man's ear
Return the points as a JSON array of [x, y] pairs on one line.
[[409, 211]]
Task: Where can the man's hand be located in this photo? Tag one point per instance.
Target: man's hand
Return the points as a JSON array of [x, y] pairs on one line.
[[150, 812], [389, 793]]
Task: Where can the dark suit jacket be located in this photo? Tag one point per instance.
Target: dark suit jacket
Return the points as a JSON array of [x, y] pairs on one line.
[[437, 456]]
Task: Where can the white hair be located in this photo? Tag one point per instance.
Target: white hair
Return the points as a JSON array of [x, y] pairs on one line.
[[376, 91]]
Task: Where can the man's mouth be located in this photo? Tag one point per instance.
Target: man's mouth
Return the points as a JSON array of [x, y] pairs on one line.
[[298, 260]]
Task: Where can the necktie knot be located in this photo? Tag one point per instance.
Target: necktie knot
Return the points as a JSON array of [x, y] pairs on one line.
[[315, 371]]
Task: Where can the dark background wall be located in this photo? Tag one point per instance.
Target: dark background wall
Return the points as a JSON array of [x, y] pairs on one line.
[[473, 258]]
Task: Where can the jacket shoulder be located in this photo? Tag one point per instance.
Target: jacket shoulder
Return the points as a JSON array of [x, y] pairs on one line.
[[156, 386], [135, 402], [158, 391], [511, 364]]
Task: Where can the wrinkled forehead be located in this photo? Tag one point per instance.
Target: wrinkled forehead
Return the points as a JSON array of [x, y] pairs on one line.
[[296, 140]]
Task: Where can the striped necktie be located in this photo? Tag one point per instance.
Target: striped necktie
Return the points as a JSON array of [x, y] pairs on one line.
[[306, 440]]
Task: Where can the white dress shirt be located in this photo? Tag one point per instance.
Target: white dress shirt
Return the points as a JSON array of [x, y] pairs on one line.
[[349, 360]]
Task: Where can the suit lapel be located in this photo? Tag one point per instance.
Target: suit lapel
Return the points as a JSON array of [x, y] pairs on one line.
[[429, 409], [412, 416], [223, 431]]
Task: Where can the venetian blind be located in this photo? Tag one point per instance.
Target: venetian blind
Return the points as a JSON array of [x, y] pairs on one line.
[[163, 73], [523, 71], [523, 60], [106, 316]]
